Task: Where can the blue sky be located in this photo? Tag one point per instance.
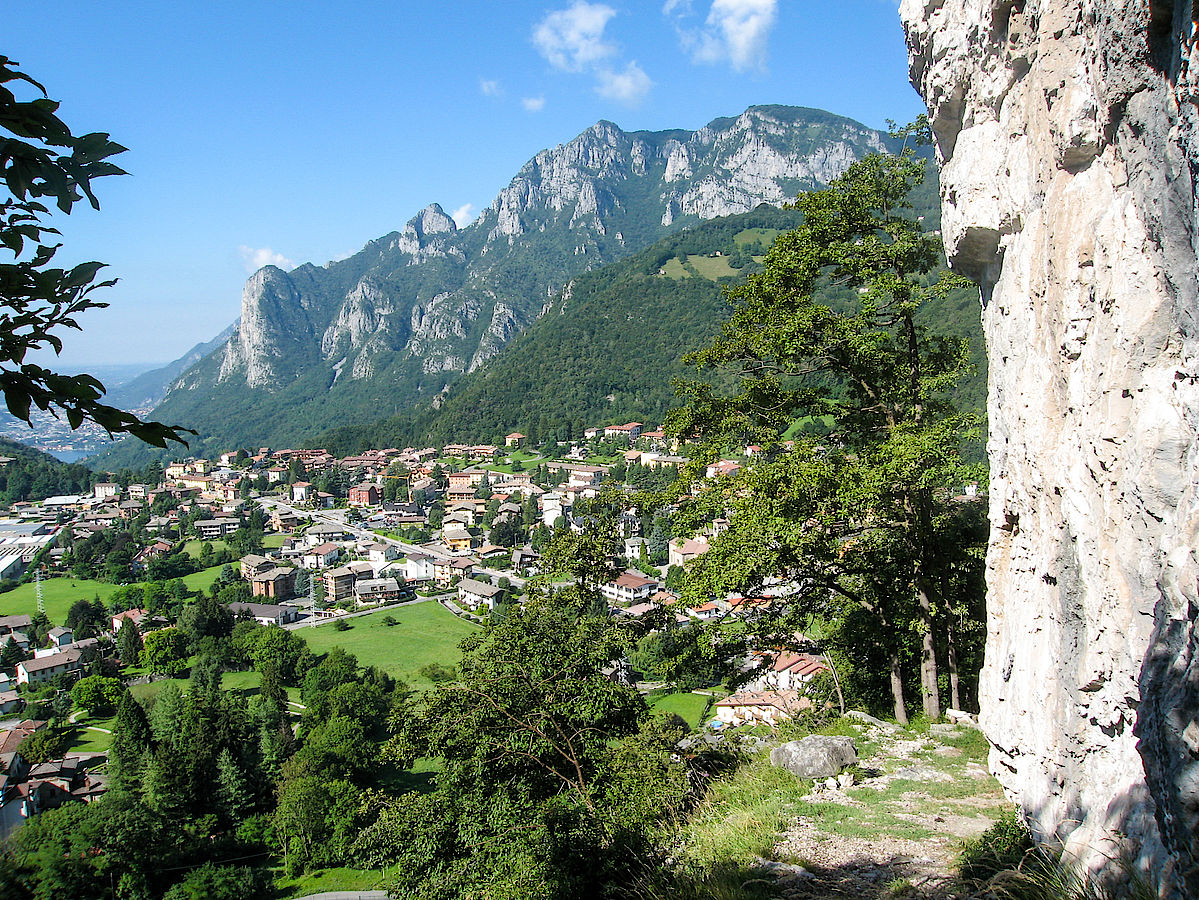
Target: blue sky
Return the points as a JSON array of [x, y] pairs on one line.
[[294, 132]]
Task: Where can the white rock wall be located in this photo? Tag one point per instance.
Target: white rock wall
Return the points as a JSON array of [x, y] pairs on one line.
[[1066, 133]]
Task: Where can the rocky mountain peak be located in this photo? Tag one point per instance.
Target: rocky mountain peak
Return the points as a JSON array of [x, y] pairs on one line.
[[430, 221]]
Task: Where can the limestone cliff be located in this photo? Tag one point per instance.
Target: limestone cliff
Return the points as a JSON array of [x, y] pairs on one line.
[[1067, 137]]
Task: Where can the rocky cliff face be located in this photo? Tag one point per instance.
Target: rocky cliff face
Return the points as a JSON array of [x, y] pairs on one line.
[[1068, 141], [397, 322]]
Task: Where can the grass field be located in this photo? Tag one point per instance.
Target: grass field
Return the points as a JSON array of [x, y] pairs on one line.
[[690, 707], [328, 880], [202, 580], [88, 740], [709, 267], [766, 236], [59, 594], [192, 548], [426, 633]]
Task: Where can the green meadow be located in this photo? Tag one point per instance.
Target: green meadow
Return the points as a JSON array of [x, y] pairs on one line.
[[425, 633]]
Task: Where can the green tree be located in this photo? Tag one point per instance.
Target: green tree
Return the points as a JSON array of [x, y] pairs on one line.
[[164, 652], [131, 741], [87, 618], [863, 517], [98, 694], [11, 654], [206, 617], [129, 643], [536, 740], [42, 159]]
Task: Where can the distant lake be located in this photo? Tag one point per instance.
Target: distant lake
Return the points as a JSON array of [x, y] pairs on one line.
[[70, 456]]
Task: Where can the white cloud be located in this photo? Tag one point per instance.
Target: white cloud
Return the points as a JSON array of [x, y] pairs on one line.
[[255, 259], [735, 31], [490, 88], [572, 39], [533, 104], [463, 215], [629, 86]]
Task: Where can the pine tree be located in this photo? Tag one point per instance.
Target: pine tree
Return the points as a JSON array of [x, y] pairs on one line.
[[235, 799], [129, 643], [131, 741]]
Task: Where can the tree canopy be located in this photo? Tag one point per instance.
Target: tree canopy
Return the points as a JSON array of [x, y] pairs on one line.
[[861, 518]]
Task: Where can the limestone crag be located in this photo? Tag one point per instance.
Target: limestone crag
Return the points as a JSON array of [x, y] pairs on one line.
[[1068, 145]]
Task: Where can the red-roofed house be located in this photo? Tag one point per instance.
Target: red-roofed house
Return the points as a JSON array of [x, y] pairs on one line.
[[783, 670], [630, 587]]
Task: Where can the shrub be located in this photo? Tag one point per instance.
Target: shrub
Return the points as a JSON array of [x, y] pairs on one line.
[[1005, 845]]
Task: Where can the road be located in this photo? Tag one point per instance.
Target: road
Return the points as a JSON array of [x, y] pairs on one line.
[[332, 517]]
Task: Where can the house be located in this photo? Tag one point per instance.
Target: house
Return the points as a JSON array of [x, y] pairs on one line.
[[713, 609], [724, 467], [457, 539], [446, 570], [252, 564], [471, 478], [634, 547], [365, 494], [323, 532], [136, 616], [9, 624], [474, 594], [300, 492], [106, 490], [418, 567], [339, 582], [35, 671], [284, 521], [515, 439], [215, 529], [380, 554], [630, 587], [683, 551], [265, 613], [59, 636], [130, 509], [629, 432], [321, 556], [276, 583], [155, 551], [378, 590], [526, 561], [760, 707], [782, 670]]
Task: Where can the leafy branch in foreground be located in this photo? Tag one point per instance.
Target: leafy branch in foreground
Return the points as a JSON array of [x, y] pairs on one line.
[[40, 158]]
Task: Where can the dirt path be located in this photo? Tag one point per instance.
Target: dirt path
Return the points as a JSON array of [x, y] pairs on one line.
[[897, 832]]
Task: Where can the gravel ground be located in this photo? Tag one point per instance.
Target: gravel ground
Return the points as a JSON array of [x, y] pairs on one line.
[[887, 865]]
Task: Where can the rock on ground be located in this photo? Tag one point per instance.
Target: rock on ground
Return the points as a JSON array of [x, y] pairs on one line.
[[816, 756]]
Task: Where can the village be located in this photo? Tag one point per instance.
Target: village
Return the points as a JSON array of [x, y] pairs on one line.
[[307, 538]]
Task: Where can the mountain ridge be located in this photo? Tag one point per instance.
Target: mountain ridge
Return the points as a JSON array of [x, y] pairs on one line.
[[414, 310]]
